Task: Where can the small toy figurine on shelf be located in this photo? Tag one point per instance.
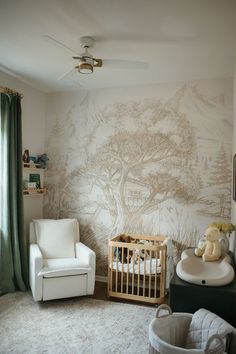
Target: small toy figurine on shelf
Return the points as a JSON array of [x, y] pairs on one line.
[[26, 158], [42, 160]]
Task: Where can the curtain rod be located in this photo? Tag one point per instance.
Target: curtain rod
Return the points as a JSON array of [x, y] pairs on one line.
[[8, 90]]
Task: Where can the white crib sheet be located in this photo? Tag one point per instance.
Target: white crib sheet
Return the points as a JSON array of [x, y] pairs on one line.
[[150, 267]]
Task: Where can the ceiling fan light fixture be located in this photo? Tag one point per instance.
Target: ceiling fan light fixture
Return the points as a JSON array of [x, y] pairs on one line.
[[85, 68]]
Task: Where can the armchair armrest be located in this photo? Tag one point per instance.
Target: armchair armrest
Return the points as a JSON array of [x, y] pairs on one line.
[[85, 254], [36, 258], [36, 264]]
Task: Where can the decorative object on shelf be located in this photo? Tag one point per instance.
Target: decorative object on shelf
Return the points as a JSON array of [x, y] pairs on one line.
[[25, 183], [40, 160], [26, 157], [35, 177], [33, 159], [31, 185]]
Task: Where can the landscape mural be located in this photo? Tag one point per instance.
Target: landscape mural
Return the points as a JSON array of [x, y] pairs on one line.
[[151, 160]]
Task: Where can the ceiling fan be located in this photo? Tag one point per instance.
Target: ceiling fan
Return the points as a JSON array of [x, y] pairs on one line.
[[86, 62]]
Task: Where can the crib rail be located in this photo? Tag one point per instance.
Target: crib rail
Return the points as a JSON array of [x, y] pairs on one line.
[[137, 271]]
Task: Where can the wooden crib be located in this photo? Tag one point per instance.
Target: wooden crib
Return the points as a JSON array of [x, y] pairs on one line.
[[137, 268]]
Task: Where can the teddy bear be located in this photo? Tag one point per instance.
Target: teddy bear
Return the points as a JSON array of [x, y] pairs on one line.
[[210, 250]]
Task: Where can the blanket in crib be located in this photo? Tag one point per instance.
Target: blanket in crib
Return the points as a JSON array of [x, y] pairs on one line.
[[150, 266]]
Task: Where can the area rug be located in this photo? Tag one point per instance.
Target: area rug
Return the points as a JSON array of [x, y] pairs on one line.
[[69, 326]]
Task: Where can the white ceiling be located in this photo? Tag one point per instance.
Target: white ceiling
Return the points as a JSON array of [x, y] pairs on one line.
[[179, 39]]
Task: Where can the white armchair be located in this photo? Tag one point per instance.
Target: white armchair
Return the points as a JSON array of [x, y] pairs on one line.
[[60, 265]]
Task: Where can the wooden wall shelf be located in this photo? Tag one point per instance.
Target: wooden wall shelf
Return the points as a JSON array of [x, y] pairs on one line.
[[34, 192], [28, 166]]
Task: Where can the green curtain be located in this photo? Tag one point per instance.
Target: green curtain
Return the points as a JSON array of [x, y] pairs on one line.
[[13, 245]]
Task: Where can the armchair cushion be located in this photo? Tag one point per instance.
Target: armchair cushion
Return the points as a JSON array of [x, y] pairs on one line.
[[63, 267], [56, 238]]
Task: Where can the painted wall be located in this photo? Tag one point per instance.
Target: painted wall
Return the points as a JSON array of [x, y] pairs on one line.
[[33, 131], [234, 140], [149, 160], [234, 151]]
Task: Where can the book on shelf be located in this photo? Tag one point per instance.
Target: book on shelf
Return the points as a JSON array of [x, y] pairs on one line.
[[35, 177]]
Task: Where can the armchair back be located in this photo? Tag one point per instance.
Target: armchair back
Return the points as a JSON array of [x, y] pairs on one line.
[[56, 238]]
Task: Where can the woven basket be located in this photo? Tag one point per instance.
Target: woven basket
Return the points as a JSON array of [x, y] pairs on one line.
[[167, 334]]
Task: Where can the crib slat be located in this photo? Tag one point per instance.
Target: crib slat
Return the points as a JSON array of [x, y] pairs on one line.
[[122, 269], [111, 257], [127, 280], [155, 286], [150, 274], [117, 268], [138, 273], [133, 273], [161, 275], [144, 272]]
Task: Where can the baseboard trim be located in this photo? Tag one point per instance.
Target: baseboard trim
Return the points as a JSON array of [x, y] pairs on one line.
[[101, 278]]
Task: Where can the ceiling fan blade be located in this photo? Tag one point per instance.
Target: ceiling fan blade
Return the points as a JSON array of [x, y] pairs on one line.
[[66, 75], [124, 64], [77, 84], [70, 78], [57, 43]]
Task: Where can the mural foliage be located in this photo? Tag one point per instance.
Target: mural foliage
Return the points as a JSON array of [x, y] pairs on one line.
[[149, 166]]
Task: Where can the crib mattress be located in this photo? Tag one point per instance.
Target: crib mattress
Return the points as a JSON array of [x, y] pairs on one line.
[[153, 266]]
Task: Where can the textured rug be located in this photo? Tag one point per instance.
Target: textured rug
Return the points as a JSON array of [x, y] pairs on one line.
[[69, 326]]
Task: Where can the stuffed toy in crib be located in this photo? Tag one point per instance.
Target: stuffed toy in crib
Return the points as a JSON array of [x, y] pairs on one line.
[[135, 255], [118, 250], [210, 250]]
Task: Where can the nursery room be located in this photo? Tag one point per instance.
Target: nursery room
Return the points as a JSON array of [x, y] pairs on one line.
[[118, 176]]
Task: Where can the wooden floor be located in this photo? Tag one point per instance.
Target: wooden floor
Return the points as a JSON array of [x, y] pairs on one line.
[[100, 291], [101, 294]]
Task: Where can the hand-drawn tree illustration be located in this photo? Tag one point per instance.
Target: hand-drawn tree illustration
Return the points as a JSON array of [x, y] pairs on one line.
[[150, 164], [218, 201], [117, 167], [182, 232], [221, 171], [62, 143]]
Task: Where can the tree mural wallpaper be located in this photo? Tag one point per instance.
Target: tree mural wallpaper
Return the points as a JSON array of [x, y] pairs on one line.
[[146, 165]]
